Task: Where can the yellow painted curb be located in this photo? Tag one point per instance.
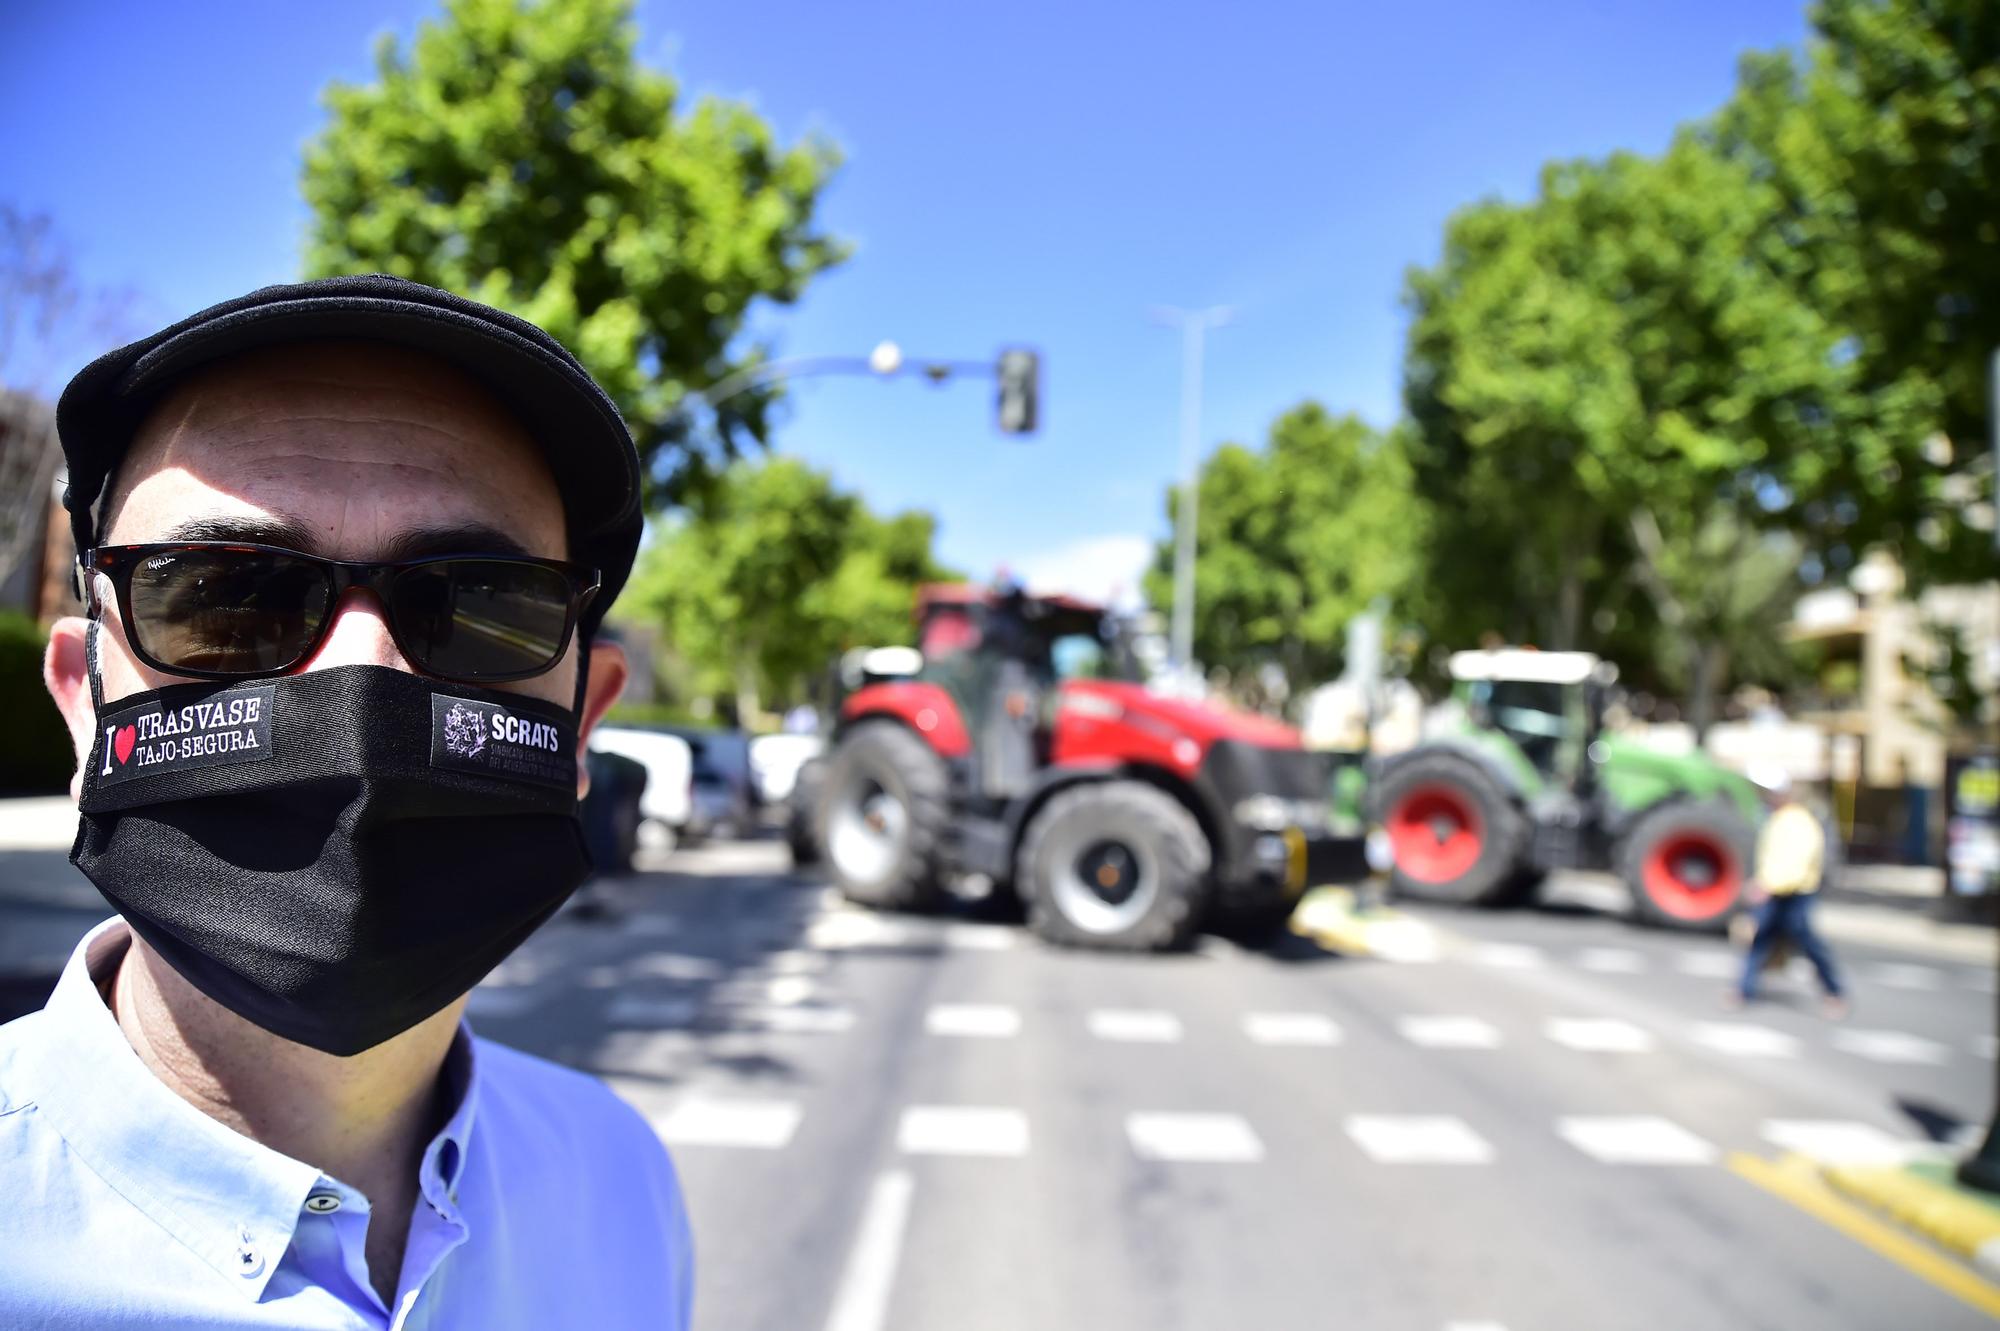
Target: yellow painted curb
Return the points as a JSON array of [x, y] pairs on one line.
[[1937, 1212], [1800, 1182], [1329, 917]]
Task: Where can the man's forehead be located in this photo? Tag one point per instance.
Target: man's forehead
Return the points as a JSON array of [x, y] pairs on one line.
[[347, 448]]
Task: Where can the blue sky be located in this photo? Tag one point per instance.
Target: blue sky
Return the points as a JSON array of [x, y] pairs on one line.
[[1040, 173]]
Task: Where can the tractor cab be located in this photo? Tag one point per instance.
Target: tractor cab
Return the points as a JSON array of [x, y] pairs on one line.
[[1549, 704]]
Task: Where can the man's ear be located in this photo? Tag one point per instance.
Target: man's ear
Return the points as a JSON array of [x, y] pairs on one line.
[[608, 673], [66, 674]]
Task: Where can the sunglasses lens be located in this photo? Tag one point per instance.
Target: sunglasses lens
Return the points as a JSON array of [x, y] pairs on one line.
[[482, 618], [226, 610]]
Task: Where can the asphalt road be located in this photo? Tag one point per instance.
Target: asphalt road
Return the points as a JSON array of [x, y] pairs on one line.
[[903, 1123], [894, 1124]]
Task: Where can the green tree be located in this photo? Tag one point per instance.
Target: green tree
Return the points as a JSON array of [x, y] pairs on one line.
[[1293, 541], [518, 153], [1880, 147], [1614, 386], [774, 572]]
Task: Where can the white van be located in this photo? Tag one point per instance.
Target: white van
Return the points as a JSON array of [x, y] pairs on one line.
[[668, 803]]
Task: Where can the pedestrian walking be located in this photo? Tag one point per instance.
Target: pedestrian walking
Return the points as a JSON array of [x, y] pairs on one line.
[[1791, 864], [344, 549]]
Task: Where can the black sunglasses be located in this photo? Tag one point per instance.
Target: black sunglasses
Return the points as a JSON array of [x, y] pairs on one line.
[[221, 610]]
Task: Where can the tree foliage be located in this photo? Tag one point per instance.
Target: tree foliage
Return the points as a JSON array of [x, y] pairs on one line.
[[1292, 541], [1881, 151], [1613, 385], [518, 153], [774, 573]]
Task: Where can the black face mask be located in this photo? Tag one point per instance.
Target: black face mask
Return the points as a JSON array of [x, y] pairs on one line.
[[334, 855]]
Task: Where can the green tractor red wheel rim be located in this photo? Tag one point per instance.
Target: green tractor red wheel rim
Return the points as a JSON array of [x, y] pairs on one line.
[[1691, 875], [1437, 833]]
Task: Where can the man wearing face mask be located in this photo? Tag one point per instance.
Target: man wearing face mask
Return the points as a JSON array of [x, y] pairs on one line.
[[345, 547]]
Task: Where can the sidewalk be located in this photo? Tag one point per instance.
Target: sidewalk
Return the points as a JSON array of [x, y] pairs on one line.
[[1925, 1197]]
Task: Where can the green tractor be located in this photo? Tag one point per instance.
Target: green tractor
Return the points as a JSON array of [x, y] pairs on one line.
[[1528, 780]]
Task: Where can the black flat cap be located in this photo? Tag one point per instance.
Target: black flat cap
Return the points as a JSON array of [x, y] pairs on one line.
[[585, 440]]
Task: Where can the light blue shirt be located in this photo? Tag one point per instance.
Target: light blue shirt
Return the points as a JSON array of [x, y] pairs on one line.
[[545, 1201]]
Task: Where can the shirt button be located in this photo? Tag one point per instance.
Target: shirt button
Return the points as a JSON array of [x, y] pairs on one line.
[[248, 1260], [323, 1203]]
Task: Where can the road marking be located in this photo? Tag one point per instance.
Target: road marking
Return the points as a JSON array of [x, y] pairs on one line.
[[1709, 964], [674, 966], [803, 1020], [638, 1010], [1798, 1182], [1441, 1032], [862, 1301], [1638, 1139], [500, 1001], [1598, 1035], [765, 1125], [962, 1130], [1291, 1028], [857, 928], [790, 990], [1193, 1138], [979, 1020], [795, 961], [1611, 960], [1834, 1142], [1897, 975], [1742, 1039], [1418, 1139], [979, 937], [1509, 956], [1890, 1047], [1135, 1026]]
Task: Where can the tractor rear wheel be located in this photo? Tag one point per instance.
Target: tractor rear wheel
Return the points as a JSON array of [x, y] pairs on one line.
[[1457, 837], [1116, 865], [882, 814], [1686, 864]]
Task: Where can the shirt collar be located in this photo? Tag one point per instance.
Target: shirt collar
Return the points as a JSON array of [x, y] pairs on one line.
[[230, 1200]]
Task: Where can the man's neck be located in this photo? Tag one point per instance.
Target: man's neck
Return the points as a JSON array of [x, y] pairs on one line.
[[364, 1120]]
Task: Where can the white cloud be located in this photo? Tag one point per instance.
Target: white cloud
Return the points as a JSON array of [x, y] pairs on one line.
[[1106, 569]]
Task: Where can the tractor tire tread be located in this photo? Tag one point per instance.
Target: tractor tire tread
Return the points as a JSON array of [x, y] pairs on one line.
[[889, 749], [1184, 855]]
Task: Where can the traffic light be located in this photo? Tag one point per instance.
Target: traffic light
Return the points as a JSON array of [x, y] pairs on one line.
[[1020, 374]]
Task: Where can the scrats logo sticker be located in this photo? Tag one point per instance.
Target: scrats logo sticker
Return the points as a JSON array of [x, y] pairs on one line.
[[480, 736]]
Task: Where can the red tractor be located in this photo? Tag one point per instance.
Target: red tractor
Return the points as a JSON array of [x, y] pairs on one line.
[[1025, 750]]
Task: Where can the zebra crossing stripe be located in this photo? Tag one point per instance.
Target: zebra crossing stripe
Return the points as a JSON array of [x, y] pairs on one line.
[[1449, 1032], [1193, 1138], [1890, 1047], [758, 1124], [962, 1130], [1833, 1142], [1742, 1039], [1637, 1139], [1135, 1026], [1418, 1139], [1291, 1028], [974, 1020], [1598, 1035]]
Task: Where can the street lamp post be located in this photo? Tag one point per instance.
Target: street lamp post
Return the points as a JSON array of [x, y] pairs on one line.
[[1193, 324]]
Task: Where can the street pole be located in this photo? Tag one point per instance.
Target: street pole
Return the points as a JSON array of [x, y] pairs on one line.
[[1193, 324], [1982, 1169]]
